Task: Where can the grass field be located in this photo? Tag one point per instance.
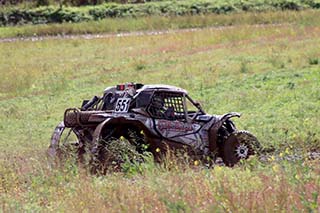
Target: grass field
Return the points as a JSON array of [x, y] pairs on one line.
[[269, 73]]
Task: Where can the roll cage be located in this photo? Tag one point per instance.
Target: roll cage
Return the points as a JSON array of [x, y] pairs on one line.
[[166, 104], [157, 102]]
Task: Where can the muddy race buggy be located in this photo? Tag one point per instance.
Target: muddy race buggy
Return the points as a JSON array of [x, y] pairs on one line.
[[158, 117]]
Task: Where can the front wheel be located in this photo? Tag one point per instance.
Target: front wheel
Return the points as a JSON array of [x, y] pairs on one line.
[[239, 145]]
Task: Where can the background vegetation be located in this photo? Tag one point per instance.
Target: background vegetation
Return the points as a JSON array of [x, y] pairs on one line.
[[152, 23], [269, 73], [59, 14], [69, 2]]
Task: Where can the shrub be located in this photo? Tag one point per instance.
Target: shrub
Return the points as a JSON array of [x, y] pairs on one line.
[[314, 61]]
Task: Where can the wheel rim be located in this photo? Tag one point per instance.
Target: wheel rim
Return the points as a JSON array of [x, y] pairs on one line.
[[238, 146], [242, 151]]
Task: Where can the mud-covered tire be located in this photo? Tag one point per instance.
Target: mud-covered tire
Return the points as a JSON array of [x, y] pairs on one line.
[[239, 145], [65, 144]]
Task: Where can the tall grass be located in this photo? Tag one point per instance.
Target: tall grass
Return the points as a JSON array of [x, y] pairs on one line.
[[253, 187]]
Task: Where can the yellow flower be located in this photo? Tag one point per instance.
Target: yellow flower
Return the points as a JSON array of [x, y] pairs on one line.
[[297, 177], [276, 168], [218, 168], [157, 149], [281, 154], [142, 132], [121, 138], [196, 163], [272, 158], [287, 151]]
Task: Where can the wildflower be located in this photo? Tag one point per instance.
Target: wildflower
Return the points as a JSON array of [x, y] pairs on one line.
[[157, 149], [272, 158], [276, 168], [121, 138], [142, 132], [281, 154], [297, 177], [287, 151], [218, 168], [196, 163]]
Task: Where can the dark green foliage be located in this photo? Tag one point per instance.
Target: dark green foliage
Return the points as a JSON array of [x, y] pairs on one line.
[[56, 14], [314, 61], [43, 15], [43, 2]]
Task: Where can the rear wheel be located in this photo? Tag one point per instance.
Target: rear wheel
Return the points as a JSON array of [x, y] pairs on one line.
[[66, 144], [239, 145]]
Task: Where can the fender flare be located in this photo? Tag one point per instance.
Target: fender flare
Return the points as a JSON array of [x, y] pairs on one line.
[[119, 120], [214, 128], [55, 139], [229, 115], [97, 131]]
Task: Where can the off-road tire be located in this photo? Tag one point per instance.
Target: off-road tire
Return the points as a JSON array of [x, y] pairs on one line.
[[61, 149], [239, 145]]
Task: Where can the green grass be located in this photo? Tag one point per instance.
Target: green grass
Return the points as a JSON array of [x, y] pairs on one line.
[[268, 73]]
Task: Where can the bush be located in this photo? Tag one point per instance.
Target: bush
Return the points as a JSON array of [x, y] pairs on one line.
[[314, 61], [43, 15]]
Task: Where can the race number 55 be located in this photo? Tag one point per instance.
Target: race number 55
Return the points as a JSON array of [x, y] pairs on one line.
[[122, 105]]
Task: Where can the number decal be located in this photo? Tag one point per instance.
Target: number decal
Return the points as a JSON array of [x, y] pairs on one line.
[[123, 105]]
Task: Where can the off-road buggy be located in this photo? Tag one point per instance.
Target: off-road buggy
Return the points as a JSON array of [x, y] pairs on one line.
[[158, 117]]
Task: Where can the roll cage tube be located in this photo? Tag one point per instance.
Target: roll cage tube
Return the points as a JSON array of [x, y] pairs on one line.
[[197, 105], [136, 100]]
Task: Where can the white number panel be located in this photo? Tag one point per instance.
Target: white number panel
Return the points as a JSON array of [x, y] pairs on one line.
[[122, 105]]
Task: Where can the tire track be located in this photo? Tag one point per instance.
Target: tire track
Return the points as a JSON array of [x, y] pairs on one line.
[[130, 34]]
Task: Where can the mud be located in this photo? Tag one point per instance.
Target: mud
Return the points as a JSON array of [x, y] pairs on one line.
[[295, 156]]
